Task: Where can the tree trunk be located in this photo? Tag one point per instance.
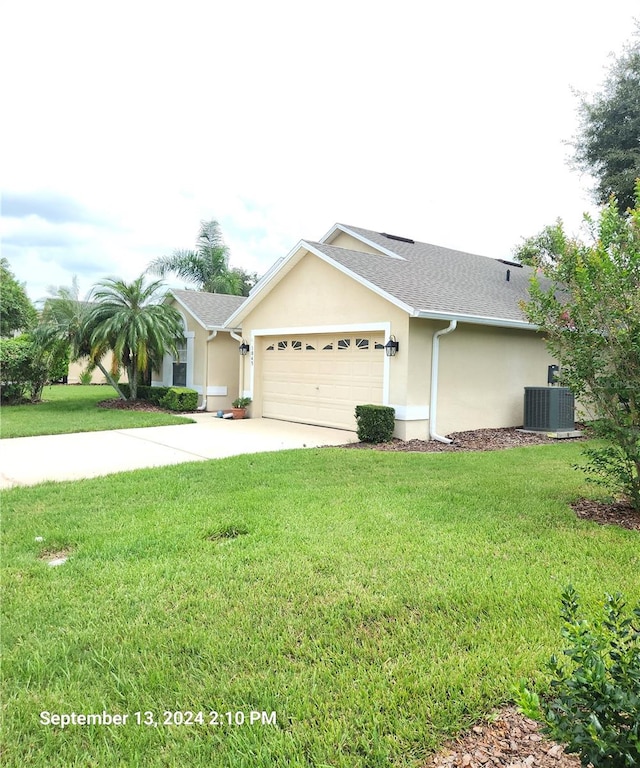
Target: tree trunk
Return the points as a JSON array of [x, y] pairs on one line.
[[111, 380], [132, 372]]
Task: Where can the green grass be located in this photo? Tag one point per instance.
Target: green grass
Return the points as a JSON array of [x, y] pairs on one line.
[[377, 602], [70, 408]]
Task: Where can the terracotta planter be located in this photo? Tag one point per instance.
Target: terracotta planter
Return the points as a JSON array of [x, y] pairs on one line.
[[239, 413]]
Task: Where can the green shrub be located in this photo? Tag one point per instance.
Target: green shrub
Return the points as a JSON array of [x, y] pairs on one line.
[[594, 707], [180, 399], [25, 367], [11, 394], [125, 389], [144, 392], [155, 394], [375, 423], [86, 377]]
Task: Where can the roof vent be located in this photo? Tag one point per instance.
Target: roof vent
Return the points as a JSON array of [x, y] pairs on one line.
[[397, 237]]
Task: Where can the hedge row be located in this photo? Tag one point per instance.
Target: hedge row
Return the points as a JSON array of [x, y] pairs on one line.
[[171, 398]]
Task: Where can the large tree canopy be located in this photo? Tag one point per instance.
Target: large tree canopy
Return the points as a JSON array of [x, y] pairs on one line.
[[608, 142], [17, 313], [590, 315], [66, 319], [132, 320], [207, 267]]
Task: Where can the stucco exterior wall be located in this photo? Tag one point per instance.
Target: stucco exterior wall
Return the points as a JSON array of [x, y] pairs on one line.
[[223, 360], [482, 375], [97, 377], [314, 297], [415, 422]]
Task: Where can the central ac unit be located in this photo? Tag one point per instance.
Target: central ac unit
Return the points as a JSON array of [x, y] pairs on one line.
[[549, 409]]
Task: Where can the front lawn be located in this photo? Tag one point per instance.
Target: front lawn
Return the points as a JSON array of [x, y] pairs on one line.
[[71, 408], [376, 602]]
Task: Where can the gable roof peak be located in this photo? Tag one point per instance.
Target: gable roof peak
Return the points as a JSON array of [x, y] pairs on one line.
[[364, 236], [211, 310]]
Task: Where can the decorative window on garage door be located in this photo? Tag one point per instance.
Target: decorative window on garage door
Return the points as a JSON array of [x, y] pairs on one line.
[[326, 345]]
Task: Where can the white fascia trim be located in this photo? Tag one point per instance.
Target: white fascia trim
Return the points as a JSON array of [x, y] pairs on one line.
[[362, 239], [308, 329], [266, 280], [411, 412], [359, 279], [477, 320]]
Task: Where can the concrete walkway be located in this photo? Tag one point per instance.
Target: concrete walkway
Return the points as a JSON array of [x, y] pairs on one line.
[[31, 460]]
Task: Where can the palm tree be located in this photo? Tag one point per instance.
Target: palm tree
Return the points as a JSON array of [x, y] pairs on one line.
[[66, 319], [131, 320], [207, 266]]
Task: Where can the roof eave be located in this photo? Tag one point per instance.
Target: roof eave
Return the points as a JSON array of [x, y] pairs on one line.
[[206, 326], [228, 328], [477, 320]]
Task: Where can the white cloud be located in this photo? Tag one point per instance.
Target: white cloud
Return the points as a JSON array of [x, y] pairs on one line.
[[444, 123]]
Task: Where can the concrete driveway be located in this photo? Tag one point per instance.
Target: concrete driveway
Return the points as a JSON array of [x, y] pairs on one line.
[[31, 460]]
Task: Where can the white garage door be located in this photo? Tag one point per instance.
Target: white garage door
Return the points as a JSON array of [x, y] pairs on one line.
[[320, 378]]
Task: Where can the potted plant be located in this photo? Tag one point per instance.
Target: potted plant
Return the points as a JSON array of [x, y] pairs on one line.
[[239, 408]]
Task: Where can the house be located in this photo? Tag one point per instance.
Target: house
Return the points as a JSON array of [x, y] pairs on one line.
[[78, 367], [208, 360], [318, 327]]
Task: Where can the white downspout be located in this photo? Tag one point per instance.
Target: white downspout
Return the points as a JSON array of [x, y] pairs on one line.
[[433, 405], [203, 407]]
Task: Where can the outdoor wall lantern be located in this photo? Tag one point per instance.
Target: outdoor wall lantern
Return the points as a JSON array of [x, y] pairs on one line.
[[244, 348], [392, 346]]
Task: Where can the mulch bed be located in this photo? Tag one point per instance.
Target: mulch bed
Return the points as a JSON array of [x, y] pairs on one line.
[[474, 440], [509, 739], [131, 405], [608, 513]]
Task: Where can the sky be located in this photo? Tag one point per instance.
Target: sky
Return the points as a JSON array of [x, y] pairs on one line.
[[127, 123]]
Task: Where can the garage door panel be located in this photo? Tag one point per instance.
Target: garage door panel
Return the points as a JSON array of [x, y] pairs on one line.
[[308, 383]]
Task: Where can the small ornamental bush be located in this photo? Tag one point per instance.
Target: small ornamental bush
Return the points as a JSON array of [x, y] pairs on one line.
[[594, 704], [86, 377], [375, 423], [180, 399], [154, 394]]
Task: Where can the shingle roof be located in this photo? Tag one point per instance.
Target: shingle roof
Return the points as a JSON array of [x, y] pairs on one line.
[[430, 278], [211, 309]]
